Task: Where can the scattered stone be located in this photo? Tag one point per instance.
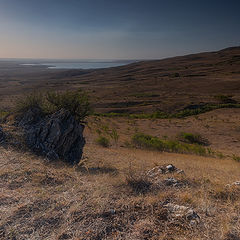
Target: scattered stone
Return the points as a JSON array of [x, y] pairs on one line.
[[155, 176], [237, 183], [183, 212], [170, 168], [57, 136], [172, 182]]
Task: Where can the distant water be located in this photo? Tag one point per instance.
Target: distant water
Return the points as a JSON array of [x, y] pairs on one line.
[[80, 64]]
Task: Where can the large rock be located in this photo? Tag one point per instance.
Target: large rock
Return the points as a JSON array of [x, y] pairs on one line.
[[2, 135], [58, 136], [31, 117]]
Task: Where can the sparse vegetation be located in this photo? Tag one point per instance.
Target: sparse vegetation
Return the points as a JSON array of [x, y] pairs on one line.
[[225, 99], [236, 158], [3, 114], [138, 182], [154, 143], [192, 138], [176, 74], [76, 102], [104, 130], [103, 141], [33, 100], [145, 95], [163, 115], [114, 135]]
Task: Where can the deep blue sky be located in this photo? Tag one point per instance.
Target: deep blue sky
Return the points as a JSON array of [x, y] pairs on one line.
[[116, 29]]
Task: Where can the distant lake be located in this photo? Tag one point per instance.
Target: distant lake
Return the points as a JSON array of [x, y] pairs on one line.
[[81, 64]]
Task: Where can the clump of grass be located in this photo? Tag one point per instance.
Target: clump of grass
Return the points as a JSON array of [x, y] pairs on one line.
[[76, 102], [176, 74], [105, 130], [31, 101], [139, 183], [236, 158], [192, 138], [225, 194], [219, 155], [114, 135], [3, 115], [144, 141], [225, 98], [103, 141]]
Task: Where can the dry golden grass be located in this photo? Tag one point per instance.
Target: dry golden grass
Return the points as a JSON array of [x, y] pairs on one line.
[[42, 200]]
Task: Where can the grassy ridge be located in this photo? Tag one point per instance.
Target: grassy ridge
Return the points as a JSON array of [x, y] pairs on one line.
[[145, 141], [164, 115]]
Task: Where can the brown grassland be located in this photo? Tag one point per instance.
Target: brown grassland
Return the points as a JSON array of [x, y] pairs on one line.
[[94, 200]]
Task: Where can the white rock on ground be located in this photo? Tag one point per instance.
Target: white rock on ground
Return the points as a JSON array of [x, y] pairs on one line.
[[187, 213], [159, 170], [237, 183]]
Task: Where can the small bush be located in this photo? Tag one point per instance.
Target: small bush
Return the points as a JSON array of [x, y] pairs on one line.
[[103, 141], [192, 138], [139, 183], [154, 143], [236, 158], [176, 75], [114, 135], [225, 98], [3, 115], [225, 194], [34, 100], [76, 102]]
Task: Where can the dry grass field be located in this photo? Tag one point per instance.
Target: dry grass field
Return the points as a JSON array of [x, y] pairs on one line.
[[42, 200], [110, 195]]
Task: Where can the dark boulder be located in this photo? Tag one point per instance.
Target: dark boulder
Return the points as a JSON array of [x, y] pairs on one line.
[[31, 117], [57, 136], [2, 136]]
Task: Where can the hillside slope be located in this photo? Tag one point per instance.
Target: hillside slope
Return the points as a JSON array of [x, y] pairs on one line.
[[168, 85]]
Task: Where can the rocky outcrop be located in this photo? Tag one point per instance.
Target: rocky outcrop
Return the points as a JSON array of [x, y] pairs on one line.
[[31, 117], [57, 136], [172, 182], [2, 136]]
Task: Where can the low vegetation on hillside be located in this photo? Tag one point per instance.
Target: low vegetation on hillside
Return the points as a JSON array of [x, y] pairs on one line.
[[179, 114], [164, 145], [76, 102]]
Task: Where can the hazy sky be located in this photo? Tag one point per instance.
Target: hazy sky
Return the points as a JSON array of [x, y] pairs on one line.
[[116, 29]]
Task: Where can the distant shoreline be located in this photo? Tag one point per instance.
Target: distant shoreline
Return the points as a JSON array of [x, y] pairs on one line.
[[89, 64]]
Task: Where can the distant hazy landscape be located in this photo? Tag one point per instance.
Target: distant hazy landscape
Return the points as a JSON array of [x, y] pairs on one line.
[[79, 64]]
